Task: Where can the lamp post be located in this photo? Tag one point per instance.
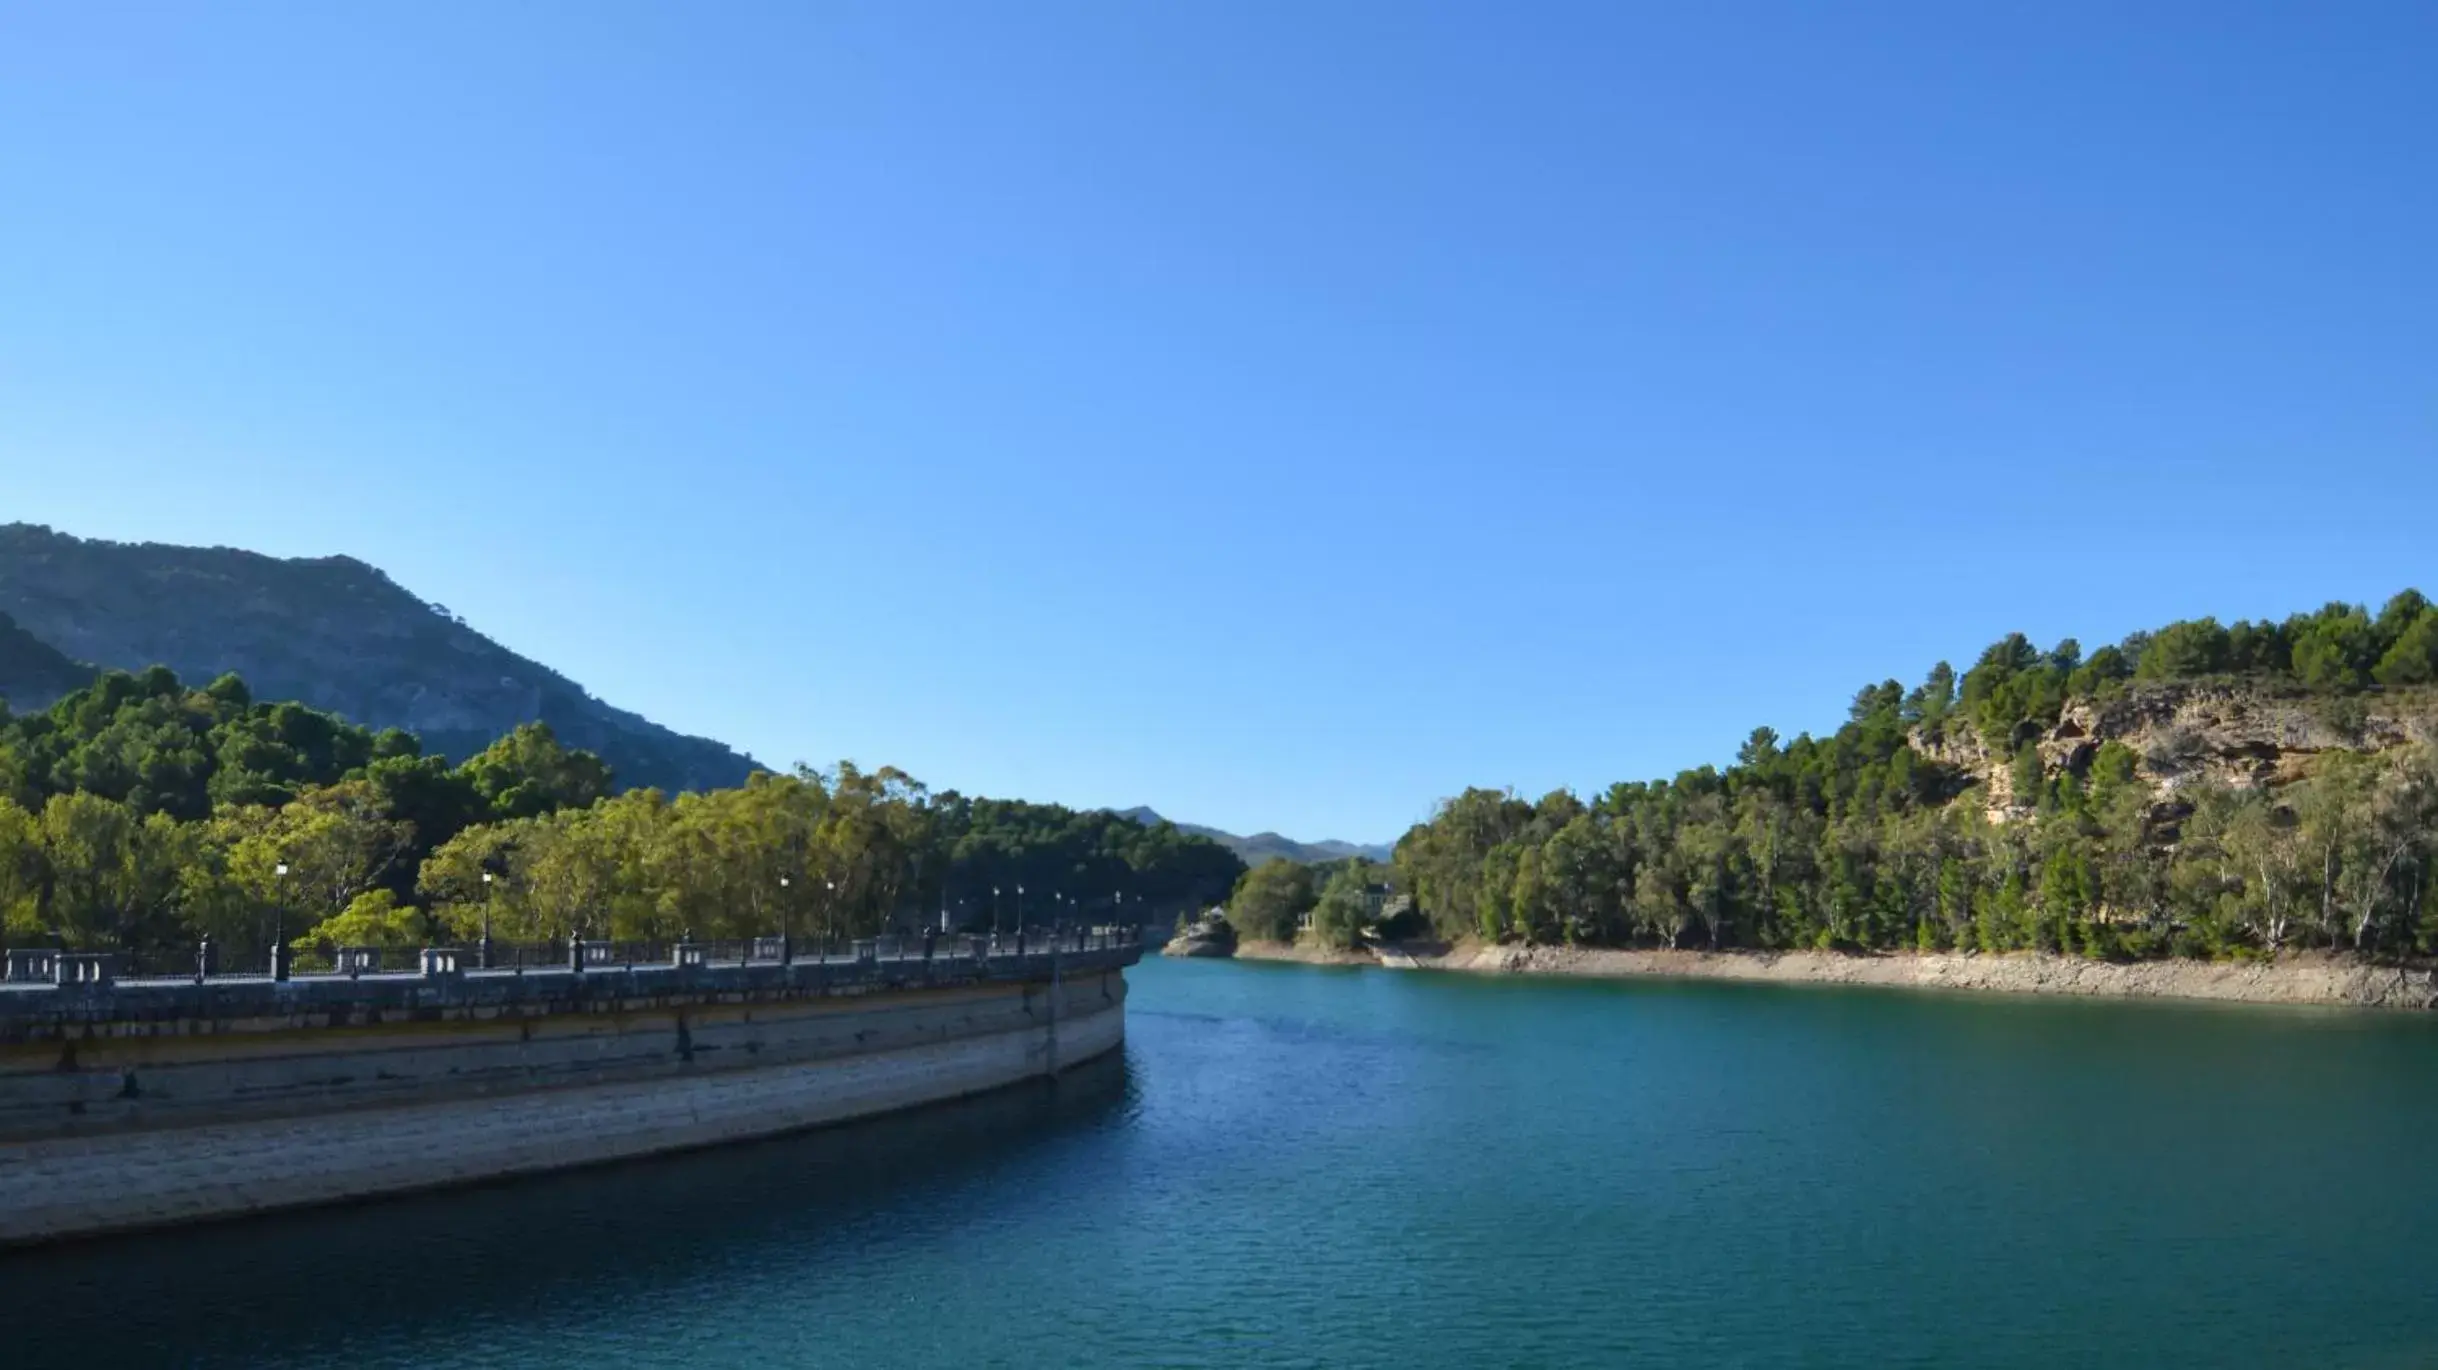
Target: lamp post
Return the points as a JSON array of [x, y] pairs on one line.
[[482, 950], [829, 917], [279, 922], [994, 910], [1020, 920], [787, 942]]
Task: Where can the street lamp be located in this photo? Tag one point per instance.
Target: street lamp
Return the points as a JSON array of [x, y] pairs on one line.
[[829, 917], [482, 954], [787, 941], [279, 923]]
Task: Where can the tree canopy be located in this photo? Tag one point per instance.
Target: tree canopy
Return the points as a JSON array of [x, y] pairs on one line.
[[1857, 839], [138, 815]]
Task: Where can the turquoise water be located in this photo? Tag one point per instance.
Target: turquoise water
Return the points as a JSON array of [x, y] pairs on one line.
[[1308, 1167]]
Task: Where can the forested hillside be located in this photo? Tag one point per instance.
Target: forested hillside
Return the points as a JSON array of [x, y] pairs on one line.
[[139, 814], [2204, 789], [330, 632], [33, 671]]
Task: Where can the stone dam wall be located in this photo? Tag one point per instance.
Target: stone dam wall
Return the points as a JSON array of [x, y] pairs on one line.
[[137, 1105]]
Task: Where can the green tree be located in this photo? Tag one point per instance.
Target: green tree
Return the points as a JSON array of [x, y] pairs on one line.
[[1931, 700], [2413, 659], [2400, 613], [374, 918], [1659, 904], [22, 875], [2180, 651], [336, 841], [2029, 777], [2335, 651], [1343, 910], [1270, 900], [527, 773], [438, 801], [1580, 867], [1759, 749], [112, 876]]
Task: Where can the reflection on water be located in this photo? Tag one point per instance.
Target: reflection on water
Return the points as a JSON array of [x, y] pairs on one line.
[[562, 1246]]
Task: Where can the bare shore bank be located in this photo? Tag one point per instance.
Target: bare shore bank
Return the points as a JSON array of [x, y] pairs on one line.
[[1304, 953], [2307, 978]]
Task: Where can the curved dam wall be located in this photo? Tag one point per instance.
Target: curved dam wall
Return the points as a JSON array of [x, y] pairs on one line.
[[134, 1106]]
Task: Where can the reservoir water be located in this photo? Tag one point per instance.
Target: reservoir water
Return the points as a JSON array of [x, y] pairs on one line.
[[1305, 1167]]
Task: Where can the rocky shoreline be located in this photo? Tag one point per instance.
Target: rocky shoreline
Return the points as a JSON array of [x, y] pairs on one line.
[[2306, 978]]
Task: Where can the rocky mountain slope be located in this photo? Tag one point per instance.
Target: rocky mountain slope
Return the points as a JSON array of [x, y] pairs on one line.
[[2242, 733], [32, 671], [332, 632], [1264, 847]]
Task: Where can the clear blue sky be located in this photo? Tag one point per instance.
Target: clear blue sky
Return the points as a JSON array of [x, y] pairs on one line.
[[1282, 414]]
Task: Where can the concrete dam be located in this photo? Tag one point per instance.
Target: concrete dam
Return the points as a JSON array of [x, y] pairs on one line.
[[128, 1104]]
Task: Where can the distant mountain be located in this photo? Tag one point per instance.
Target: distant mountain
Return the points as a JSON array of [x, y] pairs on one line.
[[331, 632], [32, 671], [1261, 847]]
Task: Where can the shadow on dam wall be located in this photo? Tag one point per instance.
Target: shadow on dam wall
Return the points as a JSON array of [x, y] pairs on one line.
[[303, 1286]]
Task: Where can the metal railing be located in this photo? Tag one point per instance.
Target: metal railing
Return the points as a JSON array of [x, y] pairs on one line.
[[29, 967]]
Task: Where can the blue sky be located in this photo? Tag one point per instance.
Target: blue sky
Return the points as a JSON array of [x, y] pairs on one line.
[[1284, 415]]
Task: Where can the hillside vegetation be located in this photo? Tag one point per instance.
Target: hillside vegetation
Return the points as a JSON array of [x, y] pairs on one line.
[[138, 815], [332, 633], [2205, 789]]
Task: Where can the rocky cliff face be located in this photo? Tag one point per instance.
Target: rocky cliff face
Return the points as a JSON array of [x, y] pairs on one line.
[[332, 632], [2240, 734]]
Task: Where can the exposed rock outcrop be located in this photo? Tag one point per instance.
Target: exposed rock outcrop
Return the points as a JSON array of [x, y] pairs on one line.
[[1209, 935], [2240, 734]]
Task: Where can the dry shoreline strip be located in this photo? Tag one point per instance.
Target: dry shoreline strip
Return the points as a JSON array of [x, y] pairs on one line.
[[2309, 978]]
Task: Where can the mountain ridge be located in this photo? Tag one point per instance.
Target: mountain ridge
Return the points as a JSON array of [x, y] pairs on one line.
[[1261, 847], [32, 671], [333, 632]]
